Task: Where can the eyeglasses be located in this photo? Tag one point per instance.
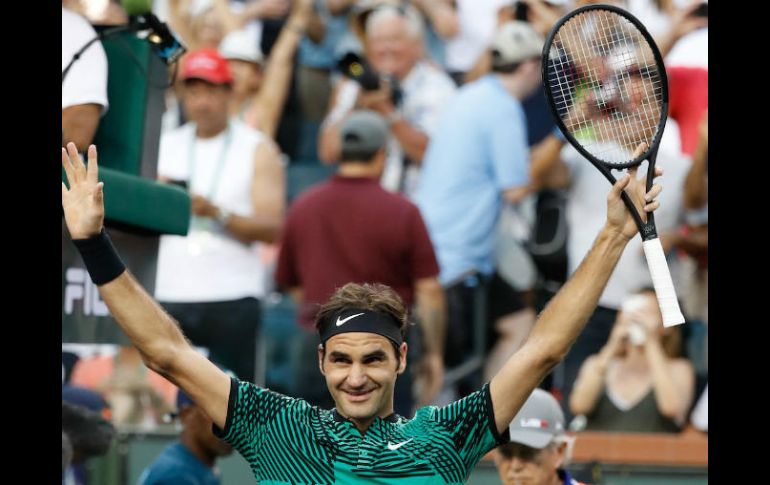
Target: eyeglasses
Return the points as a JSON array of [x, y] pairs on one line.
[[520, 451]]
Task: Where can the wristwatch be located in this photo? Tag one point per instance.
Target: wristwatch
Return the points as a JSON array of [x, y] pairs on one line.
[[223, 216]]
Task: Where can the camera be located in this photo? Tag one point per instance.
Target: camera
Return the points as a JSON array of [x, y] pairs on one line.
[[358, 69]]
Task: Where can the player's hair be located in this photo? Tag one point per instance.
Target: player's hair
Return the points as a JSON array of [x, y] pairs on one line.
[[375, 297]]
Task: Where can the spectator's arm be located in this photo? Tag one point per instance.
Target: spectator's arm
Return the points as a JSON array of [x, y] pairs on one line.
[[329, 148], [316, 27], [591, 379], [507, 142], [672, 380], [79, 124], [682, 23], [695, 186], [230, 20], [541, 16], [267, 195], [339, 7], [413, 141], [546, 169], [589, 385], [442, 16], [180, 21], [343, 99], [263, 9], [280, 64], [268, 189], [431, 310]]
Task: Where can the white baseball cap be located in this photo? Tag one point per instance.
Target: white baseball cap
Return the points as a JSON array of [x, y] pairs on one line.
[[515, 42], [538, 422], [241, 45]]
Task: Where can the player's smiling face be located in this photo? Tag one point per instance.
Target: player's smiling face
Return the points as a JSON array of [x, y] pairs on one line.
[[360, 370]]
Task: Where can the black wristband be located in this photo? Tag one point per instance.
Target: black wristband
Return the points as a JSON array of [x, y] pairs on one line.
[[101, 258]]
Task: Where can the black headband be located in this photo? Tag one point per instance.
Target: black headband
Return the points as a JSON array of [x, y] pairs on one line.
[[358, 320]]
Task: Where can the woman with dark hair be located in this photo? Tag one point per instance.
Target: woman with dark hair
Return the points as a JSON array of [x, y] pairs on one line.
[[637, 382]]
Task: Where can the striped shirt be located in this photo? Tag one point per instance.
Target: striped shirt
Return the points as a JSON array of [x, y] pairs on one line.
[[286, 440]]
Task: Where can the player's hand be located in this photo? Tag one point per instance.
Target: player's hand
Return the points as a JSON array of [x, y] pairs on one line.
[[619, 219], [83, 202]]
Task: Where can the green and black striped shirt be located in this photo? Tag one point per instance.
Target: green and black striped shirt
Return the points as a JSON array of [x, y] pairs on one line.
[[286, 440]]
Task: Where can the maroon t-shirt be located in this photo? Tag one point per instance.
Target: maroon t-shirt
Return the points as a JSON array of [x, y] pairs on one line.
[[352, 230]]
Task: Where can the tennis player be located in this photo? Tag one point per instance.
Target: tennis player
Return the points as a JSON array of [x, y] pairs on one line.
[[361, 354]]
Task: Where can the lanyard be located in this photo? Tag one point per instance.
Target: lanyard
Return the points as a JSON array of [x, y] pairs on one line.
[[198, 222], [220, 163]]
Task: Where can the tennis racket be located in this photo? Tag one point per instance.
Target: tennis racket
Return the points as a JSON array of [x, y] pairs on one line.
[[606, 85]]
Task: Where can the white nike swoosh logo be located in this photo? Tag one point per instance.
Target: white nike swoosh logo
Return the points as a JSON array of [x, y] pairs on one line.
[[342, 322], [393, 447]]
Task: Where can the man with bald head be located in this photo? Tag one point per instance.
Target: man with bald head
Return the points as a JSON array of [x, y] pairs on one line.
[[394, 47]]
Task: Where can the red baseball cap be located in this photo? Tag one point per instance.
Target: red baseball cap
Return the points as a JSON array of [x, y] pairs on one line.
[[208, 65]]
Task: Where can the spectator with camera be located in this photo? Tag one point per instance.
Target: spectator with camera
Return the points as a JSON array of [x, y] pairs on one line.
[[394, 50], [637, 382]]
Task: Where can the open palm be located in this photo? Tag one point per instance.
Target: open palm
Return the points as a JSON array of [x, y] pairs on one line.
[[83, 202]]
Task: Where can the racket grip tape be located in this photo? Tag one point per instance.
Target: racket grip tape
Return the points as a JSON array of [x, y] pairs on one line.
[[661, 280]]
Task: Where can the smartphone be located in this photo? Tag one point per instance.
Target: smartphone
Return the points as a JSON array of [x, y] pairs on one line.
[[179, 183]]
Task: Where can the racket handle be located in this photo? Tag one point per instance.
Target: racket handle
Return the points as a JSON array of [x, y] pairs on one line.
[[661, 279]]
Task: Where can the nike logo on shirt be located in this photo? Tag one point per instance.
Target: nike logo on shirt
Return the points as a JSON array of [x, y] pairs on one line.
[[341, 322], [393, 447]]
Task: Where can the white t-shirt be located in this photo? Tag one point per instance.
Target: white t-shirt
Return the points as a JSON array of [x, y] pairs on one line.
[[86, 81], [209, 264], [587, 211]]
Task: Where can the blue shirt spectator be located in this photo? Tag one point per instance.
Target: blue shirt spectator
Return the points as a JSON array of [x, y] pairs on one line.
[[478, 151]]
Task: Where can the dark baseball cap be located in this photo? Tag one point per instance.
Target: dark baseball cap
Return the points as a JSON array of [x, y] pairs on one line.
[[362, 133]]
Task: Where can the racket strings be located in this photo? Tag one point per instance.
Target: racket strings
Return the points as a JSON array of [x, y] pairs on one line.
[[605, 84]]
